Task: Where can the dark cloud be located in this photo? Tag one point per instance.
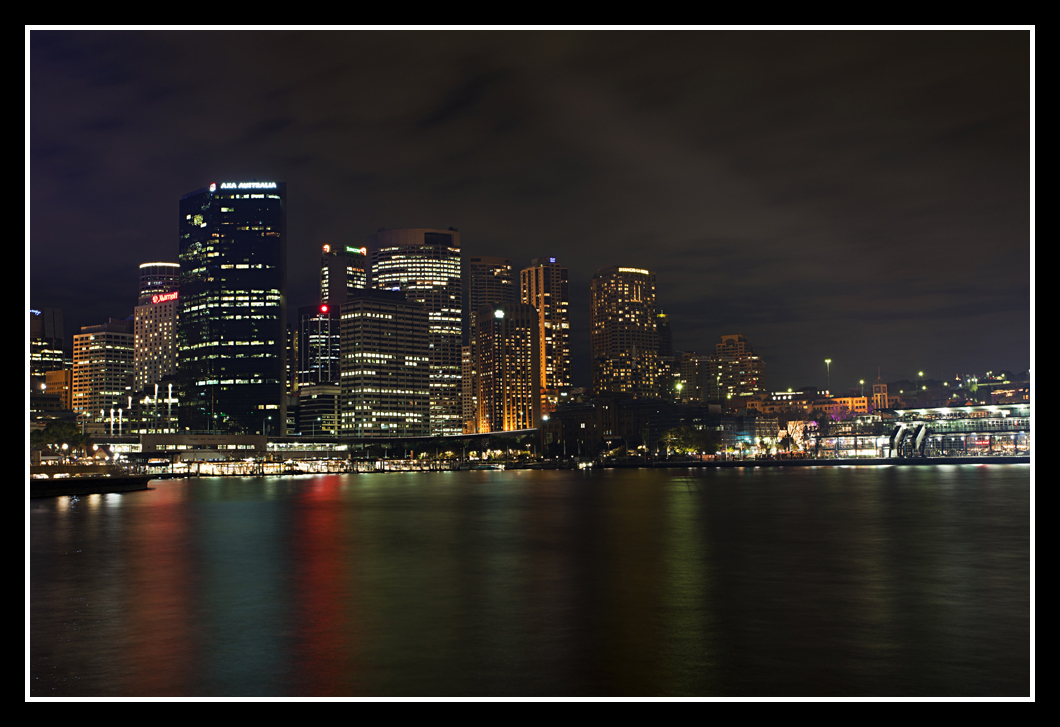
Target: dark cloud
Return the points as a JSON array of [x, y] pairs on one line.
[[853, 195]]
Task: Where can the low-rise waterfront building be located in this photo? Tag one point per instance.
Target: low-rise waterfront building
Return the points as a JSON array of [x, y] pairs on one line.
[[960, 431]]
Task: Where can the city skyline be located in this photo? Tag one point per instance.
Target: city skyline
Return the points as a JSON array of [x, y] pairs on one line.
[[861, 196]]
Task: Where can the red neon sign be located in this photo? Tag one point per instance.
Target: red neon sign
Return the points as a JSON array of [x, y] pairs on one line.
[[163, 297]]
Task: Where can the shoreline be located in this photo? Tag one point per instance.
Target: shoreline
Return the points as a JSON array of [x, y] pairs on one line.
[[838, 462], [70, 486]]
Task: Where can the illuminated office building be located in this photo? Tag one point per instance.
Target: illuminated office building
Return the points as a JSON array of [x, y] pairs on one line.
[[318, 344], [343, 270], [385, 371], [155, 324], [318, 409], [468, 393], [490, 282], [509, 376], [695, 374], [736, 371], [45, 344], [103, 369], [623, 337], [424, 264], [233, 316], [544, 286]]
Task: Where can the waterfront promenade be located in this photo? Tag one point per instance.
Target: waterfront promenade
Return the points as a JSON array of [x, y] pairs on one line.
[[89, 485], [842, 462]]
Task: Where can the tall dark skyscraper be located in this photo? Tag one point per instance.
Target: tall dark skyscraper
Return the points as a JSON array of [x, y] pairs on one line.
[[233, 308], [318, 344], [491, 282], [45, 343], [343, 270]]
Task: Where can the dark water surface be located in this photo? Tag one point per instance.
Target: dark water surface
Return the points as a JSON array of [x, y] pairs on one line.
[[887, 581]]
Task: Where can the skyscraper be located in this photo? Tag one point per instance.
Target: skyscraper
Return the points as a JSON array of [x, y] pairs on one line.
[[385, 389], [425, 265], [318, 344], [509, 379], [622, 329], [233, 308], [489, 283], [45, 344], [155, 324], [736, 371], [103, 368], [544, 286], [343, 269]]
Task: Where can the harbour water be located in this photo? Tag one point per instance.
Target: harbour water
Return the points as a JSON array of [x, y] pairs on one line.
[[819, 581]]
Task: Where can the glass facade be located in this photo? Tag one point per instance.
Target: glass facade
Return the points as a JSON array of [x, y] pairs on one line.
[[318, 345], [232, 323]]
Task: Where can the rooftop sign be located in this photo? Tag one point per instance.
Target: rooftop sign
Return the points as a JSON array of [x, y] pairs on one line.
[[248, 185]]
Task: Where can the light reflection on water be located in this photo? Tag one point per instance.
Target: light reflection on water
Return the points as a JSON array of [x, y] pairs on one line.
[[822, 581]]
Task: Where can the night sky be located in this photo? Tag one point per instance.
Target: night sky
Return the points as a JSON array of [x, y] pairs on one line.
[[863, 196]]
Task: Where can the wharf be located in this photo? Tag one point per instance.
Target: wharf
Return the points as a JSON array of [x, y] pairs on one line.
[[847, 462], [98, 485]]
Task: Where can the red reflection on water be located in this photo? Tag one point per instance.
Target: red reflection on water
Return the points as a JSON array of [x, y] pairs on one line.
[[322, 545], [161, 593]]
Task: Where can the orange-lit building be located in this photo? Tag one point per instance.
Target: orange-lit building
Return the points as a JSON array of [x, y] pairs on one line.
[[544, 286], [507, 348], [490, 282], [60, 383]]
